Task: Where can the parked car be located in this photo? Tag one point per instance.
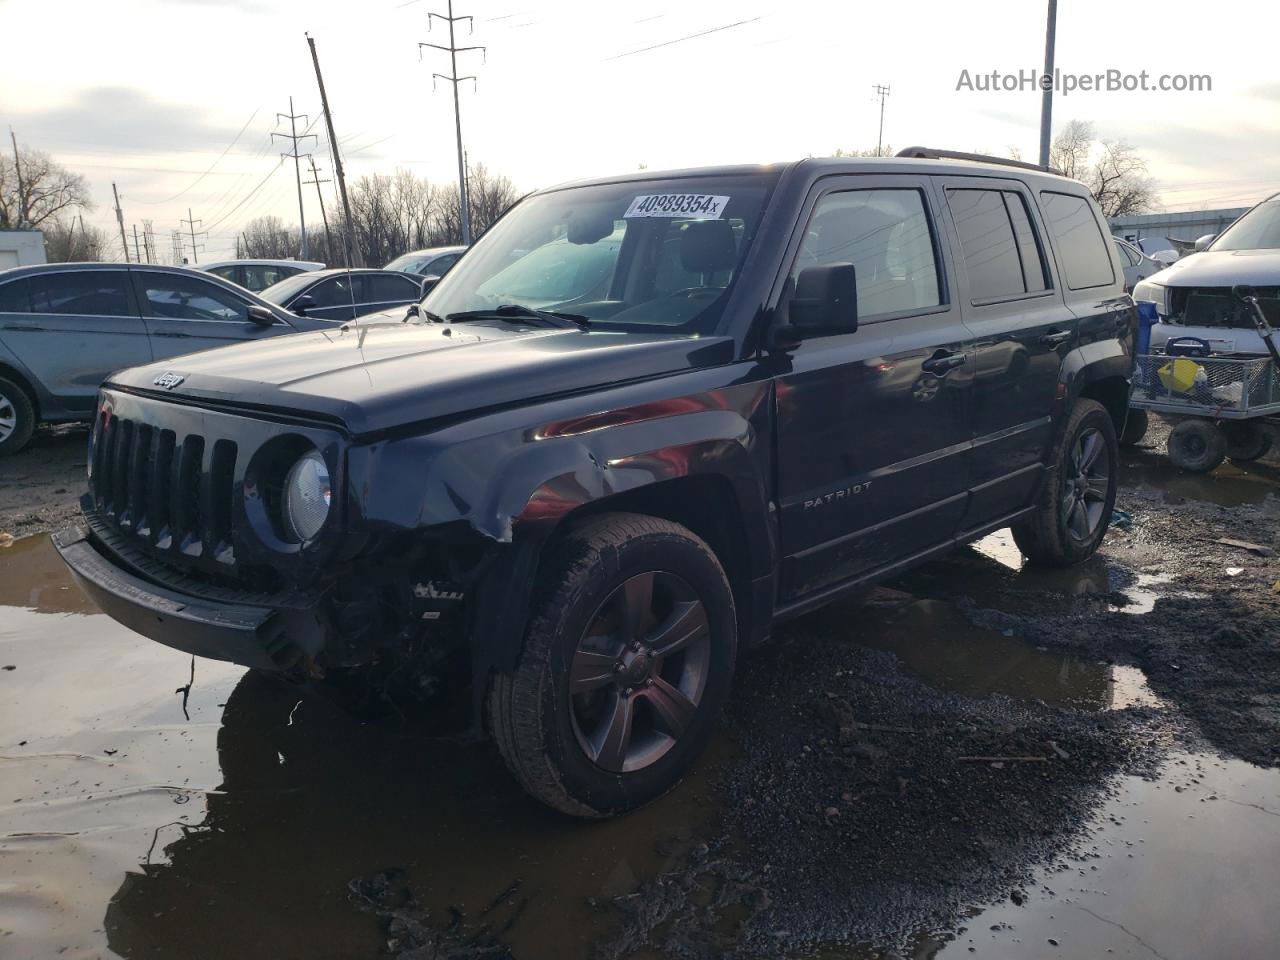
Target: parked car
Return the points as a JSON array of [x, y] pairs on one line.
[[1193, 297], [1137, 265], [65, 326], [257, 275], [433, 262], [602, 498], [342, 294]]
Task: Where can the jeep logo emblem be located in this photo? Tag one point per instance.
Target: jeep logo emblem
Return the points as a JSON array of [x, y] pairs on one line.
[[168, 380]]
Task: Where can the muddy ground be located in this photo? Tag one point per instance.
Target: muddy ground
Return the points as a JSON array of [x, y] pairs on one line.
[[978, 759]]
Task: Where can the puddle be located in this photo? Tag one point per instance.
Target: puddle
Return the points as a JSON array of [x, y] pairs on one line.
[[1183, 866], [1227, 486]]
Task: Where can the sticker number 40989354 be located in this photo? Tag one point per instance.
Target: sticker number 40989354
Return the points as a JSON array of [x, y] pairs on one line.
[[700, 205]]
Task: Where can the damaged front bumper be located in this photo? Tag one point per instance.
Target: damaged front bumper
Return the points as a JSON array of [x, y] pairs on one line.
[[255, 636]]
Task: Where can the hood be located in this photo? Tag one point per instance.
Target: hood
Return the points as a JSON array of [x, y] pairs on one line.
[[378, 376], [1223, 268]]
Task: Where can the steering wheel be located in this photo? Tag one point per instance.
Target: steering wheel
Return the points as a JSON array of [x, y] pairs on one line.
[[690, 293]]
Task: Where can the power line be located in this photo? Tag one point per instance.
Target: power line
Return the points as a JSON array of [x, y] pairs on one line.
[[260, 184], [221, 156], [691, 36], [293, 137], [882, 91], [453, 50]]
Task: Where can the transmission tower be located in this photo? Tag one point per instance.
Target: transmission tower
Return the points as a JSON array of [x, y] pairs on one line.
[[453, 50], [192, 223], [293, 137], [176, 238]]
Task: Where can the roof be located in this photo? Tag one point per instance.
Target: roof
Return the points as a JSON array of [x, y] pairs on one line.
[[301, 264], [431, 252]]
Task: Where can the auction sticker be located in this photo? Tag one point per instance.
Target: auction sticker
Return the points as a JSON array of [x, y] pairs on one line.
[[700, 205]]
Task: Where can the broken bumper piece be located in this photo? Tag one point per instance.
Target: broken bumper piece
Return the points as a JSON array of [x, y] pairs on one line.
[[206, 628]]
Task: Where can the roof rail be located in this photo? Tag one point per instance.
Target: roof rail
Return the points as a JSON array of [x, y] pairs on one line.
[[930, 153]]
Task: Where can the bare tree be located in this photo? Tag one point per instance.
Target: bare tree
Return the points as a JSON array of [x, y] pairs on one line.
[[885, 150], [1112, 170], [69, 240], [48, 190]]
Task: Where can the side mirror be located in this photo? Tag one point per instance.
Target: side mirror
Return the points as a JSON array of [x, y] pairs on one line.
[[300, 305], [1203, 242], [261, 315], [428, 284], [825, 301]]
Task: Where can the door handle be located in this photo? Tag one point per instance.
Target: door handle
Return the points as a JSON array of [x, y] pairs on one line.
[[941, 362], [176, 336], [1056, 337]]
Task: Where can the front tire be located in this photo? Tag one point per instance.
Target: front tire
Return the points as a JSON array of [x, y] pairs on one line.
[[626, 663], [1135, 428], [1079, 492], [17, 417]]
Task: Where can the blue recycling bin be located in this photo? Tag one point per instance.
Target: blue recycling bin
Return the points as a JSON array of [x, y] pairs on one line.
[[1147, 318]]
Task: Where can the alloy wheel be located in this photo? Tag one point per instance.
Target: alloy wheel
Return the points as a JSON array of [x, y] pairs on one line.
[[8, 418], [1086, 485], [639, 672]]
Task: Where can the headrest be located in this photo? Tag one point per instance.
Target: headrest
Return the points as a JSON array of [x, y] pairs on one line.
[[707, 246]]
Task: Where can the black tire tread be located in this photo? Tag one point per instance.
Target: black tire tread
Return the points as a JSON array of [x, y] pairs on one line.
[[514, 711]]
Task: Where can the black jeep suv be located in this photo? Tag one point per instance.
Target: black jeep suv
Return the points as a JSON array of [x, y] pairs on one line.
[[642, 420]]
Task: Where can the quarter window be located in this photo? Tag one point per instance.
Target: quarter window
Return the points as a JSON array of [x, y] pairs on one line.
[[101, 293], [188, 298], [1079, 241], [1001, 255], [885, 234]]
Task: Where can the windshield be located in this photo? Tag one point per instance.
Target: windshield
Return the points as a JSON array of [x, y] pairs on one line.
[[280, 292], [1259, 229], [645, 254]]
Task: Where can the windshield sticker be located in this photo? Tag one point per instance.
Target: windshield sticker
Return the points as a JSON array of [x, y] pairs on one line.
[[699, 206]]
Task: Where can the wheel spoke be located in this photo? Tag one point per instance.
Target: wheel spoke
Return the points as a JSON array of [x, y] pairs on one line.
[[614, 737], [637, 606], [1090, 447], [1097, 489], [688, 622], [1078, 521], [673, 711], [590, 669]]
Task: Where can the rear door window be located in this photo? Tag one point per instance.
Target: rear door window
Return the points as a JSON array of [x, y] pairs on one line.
[[1001, 255], [334, 292], [259, 276], [1078, 239], [190, 298], [885, 234], [381, 289], [440, 265], [100, 293]]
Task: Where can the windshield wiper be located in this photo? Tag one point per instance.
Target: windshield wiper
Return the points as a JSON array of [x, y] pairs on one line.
[[518, 311]]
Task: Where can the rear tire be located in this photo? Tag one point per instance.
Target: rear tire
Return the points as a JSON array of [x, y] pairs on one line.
[[1197, 446], [1247, 440], [1135, 428], [1079, 493], [17, 417], [626, 663]]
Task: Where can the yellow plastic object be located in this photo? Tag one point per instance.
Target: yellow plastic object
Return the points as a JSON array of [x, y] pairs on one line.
[[1179, 375]]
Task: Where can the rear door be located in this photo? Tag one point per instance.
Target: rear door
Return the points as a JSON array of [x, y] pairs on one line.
[[1022, 329], [70, 328], [873, 426], [185, 313], [1092, 278]]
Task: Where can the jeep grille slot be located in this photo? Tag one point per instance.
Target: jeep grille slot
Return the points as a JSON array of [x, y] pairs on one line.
[[170, 493]]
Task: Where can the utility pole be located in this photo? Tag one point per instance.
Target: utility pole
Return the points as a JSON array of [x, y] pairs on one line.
[[315, 178], [175, 238], [137, 253], [336, 154], [882, 91], [293, 137], [1046, 84], [191, 224], [17, 169], [149, 240], [453, 50], [120, 220]]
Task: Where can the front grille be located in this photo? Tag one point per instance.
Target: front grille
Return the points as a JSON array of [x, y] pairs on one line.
[[170, 491]]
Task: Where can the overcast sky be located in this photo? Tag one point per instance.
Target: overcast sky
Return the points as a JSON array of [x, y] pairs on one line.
[[152, 93]]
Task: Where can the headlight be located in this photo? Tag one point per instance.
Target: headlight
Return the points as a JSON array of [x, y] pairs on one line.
[[307, 495], [1157, 293]]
